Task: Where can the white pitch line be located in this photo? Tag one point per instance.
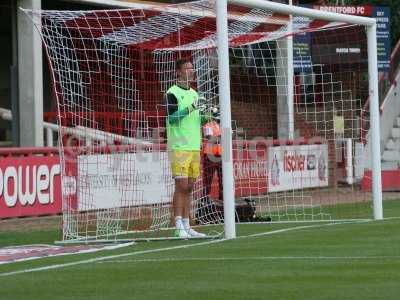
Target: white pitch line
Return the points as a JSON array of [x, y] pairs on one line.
[[390, 218], [103, 258], [110, 247], [251, 258]]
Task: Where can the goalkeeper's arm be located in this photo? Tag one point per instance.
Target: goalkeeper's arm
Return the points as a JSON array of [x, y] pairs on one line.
[[174, 114]]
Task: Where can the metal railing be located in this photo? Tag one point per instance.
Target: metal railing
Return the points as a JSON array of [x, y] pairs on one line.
[[49, 128], [394, 63], [88, 135]]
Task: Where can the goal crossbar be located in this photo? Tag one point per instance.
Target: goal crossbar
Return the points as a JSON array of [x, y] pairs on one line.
[[306, 12]]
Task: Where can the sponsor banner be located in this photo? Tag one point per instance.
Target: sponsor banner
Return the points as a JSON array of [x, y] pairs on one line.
[[297, 166], [362, 10], [382, 16], [250, 170], [301, 46], [30, 186], [123, 179]]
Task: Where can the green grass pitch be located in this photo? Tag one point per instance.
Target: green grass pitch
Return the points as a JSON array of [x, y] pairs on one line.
[[267, 261]]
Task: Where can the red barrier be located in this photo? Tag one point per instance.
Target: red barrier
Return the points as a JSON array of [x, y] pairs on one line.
[[30, 178], [390, 181]]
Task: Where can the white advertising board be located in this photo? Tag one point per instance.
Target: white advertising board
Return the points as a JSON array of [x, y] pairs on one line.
[[297, 167], [122, 180]]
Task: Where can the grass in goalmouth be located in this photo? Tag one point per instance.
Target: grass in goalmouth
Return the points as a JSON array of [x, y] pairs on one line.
[[360, 260]]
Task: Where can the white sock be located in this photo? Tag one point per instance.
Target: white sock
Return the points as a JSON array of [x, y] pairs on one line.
[[186, 223], [178, 222]]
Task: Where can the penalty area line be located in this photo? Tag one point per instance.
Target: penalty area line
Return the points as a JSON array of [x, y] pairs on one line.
[[117, 256]]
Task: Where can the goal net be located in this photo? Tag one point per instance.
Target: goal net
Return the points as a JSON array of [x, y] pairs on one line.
[[297, 148]]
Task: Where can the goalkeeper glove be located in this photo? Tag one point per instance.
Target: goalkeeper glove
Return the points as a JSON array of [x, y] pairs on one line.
[[198, 105], [215, 113]]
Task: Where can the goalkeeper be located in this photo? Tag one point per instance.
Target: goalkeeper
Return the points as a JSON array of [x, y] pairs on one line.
[[184, 120]]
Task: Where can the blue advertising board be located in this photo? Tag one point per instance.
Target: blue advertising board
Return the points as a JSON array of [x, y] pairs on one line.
[[301, 47], [382, 16]]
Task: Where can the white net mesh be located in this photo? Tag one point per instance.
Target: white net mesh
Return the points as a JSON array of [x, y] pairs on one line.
[[111, 70]]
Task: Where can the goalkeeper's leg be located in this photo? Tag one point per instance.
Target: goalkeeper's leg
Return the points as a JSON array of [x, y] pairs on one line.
[[194, 172], [179, 204]]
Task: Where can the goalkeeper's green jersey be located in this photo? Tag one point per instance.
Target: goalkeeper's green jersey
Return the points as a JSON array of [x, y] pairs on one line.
[[183, 128]]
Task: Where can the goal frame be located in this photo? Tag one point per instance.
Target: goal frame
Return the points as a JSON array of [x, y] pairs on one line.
[[224, 83], [221, 7]]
